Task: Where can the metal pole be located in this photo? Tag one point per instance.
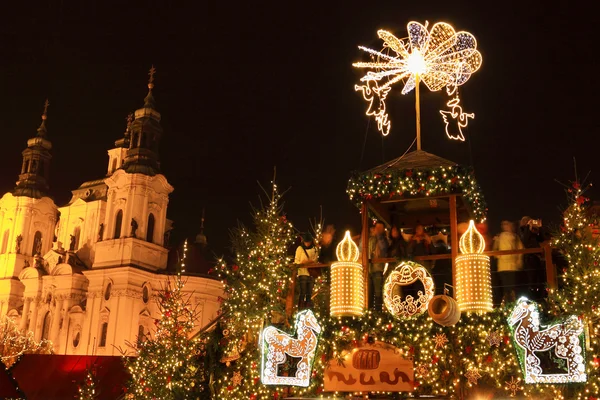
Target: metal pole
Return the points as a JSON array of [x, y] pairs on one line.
[[418, 110]]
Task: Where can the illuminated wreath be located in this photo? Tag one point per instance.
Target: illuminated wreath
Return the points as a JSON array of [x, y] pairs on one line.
[[406, 273]]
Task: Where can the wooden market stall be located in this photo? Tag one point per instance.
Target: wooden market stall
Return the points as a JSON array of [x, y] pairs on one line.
[[417, 188]]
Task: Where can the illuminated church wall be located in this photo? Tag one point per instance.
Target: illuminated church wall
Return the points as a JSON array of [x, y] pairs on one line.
[[81, 275]]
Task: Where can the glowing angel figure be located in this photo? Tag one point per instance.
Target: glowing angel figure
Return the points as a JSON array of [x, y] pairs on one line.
[[376, 98], [456, 113], [439, 57]]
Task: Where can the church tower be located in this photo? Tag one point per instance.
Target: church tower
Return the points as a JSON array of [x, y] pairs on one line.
[[138, 195], [145, 133], [116, 156], [27, 218], [33, 180]]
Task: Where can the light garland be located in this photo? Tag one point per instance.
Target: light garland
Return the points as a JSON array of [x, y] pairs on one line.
[[406, 273], [566, 338], [473, 276], [440, 57], [422, 182], [347, 283]]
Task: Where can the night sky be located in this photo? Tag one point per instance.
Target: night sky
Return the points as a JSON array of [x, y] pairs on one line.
[[246, 86]]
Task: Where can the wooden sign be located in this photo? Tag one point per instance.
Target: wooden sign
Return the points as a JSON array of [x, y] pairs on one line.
[[371, 368]]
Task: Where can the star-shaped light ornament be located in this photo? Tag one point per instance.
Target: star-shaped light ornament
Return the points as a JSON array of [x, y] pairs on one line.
[[513, 386], [440, 58], [495, 338], [237, 378], [440, 340], [422, 370], [472, 376]]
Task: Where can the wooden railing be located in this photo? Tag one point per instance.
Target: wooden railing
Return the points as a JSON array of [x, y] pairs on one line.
[[545, 250]]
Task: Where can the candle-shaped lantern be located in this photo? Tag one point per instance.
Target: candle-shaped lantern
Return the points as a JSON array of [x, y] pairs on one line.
[[347, 284], [473, 277]]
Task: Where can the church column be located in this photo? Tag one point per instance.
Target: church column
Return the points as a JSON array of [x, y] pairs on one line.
[[62, 338], [128, 212], [34, 316], [144, 222], [109, 217], [56, 319], [162, 220], [25, 315]]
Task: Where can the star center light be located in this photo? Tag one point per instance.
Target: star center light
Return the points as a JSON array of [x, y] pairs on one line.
[[416, 63]]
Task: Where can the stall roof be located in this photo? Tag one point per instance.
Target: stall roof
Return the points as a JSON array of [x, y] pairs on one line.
[[54, 377]]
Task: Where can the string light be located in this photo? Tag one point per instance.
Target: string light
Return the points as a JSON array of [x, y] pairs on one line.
[[473, 276], [347, 282], [440, 57]]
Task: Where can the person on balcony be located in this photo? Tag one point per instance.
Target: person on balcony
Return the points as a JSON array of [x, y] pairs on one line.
[[306, 253], [378, 248], [420, 245], [327, 248], [530, 233], [397, 247], [510, 264]]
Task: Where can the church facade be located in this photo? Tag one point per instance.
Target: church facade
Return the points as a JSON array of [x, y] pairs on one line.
[[85, 275]]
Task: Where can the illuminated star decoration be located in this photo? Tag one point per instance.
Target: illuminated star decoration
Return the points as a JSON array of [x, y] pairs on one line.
[[237, 378], [512, 386], [494, 338], [440, 57], [440, 340], [472, 376], [422, 370]]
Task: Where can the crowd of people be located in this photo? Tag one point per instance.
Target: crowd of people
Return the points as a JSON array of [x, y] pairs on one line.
[[513, 275]]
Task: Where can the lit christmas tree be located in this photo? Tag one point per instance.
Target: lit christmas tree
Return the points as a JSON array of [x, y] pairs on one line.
[[14, 342], [165, 366], [256, 286], [579, 287], [88, 388]]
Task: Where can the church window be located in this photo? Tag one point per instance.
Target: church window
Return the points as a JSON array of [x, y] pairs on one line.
[[107, 291], [141, 336], [114, 165], [145, 294], [103, 334], [76, 339], [118, 223], [76, 234], [150, 229], [5, 241], [46, 326], [37, 243], [41, 169]]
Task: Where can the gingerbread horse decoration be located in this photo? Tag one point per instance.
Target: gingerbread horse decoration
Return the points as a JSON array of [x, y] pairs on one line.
[[563, 337], [276, 344]]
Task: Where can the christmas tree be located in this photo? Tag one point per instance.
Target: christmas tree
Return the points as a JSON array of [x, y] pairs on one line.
[[14, 342], [88, 388], [256, 285], [165, 366], [580, 284]]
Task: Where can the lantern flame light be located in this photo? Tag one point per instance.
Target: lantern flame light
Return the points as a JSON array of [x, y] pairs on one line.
[[472, 241], [473, 277], [347, 284]]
